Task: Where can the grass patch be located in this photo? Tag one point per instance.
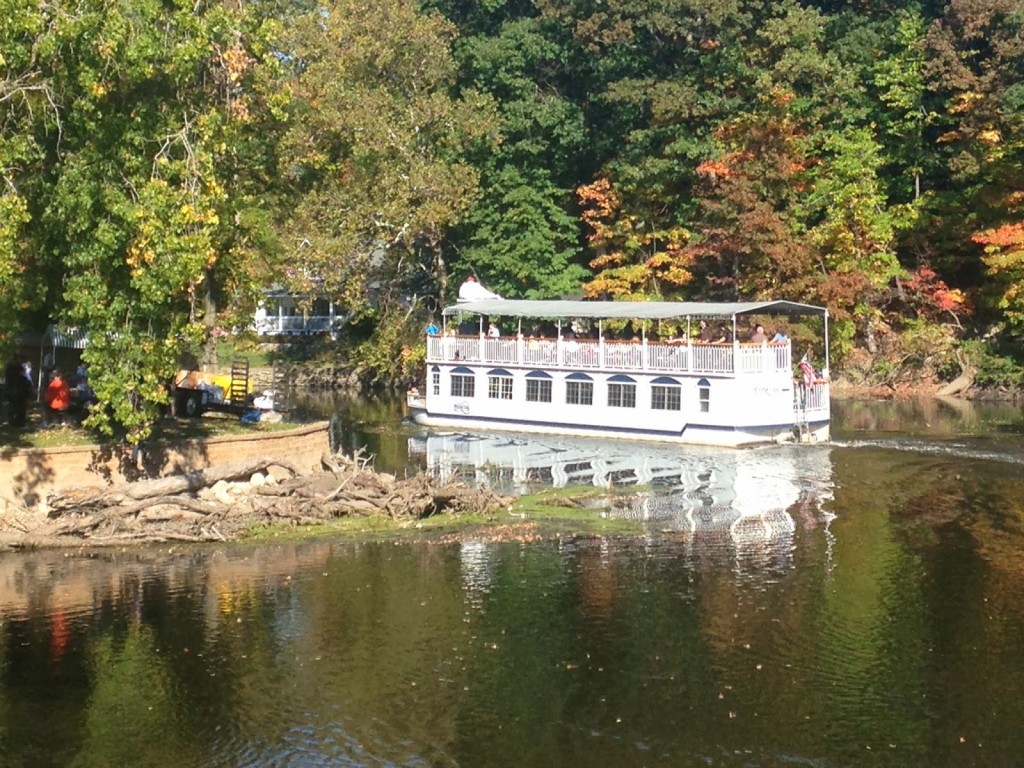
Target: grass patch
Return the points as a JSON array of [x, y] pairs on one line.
[[377, 527], [167, 430], [212, 425], [553, 512], [38, 437], [580, 510], [228, 351]]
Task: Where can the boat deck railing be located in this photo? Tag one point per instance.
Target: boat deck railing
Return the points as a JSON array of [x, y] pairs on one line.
[[696, 358], [811, 398]]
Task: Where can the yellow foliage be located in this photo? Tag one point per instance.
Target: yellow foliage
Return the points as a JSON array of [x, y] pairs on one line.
[[610, 259], [965, 102]]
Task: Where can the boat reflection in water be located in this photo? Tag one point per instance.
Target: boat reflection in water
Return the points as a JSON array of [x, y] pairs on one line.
[[740, 505]]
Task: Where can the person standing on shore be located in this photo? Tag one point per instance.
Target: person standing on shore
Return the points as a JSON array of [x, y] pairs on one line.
[[57, 398], [18, 391]]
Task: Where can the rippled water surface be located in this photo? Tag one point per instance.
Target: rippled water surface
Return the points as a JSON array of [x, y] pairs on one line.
[[844, 605]]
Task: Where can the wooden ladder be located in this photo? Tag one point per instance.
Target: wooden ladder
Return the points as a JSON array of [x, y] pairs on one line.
[[800, 406], [239, 381]]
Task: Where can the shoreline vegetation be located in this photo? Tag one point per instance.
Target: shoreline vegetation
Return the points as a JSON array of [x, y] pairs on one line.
[[340, 171]]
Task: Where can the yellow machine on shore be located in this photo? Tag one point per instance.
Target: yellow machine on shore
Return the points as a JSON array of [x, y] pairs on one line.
[[198, 391]]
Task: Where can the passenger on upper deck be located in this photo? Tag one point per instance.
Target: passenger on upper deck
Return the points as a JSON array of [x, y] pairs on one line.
[[493, 331], [758, 336], [707, 334]]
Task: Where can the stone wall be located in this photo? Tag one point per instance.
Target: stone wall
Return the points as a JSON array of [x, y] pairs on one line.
[[27, 475]]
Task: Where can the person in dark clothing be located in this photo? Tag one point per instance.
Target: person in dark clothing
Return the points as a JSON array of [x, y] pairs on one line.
[[18, 391]]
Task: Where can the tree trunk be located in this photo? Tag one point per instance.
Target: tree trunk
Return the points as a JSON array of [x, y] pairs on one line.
[[209, 357], [164, 486], [441, 275], [962, 382]]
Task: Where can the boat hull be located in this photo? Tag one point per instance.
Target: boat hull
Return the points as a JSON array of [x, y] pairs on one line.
[[691, 434]]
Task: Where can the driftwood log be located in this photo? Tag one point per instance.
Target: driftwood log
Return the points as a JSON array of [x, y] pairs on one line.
[[222, 503]]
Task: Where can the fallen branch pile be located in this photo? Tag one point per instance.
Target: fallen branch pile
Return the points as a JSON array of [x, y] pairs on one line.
[[222, 503]]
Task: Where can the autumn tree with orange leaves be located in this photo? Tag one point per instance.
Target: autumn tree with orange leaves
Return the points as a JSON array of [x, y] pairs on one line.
[[1004, 259], [744, 245], [635, 258]]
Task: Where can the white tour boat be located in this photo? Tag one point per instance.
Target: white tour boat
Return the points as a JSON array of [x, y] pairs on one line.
[[687, 391]]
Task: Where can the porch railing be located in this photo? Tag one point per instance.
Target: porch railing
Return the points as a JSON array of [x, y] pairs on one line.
[[274, 325]]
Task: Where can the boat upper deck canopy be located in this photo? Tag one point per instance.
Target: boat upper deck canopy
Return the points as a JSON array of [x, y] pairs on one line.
[[631, 310]]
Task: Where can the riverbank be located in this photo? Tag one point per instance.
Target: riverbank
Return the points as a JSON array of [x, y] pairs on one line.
[[224, 502], [846, 389], [29, 473], [230, 487], [269, 497]]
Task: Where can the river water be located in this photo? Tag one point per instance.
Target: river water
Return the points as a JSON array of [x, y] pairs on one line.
[[852, 604]]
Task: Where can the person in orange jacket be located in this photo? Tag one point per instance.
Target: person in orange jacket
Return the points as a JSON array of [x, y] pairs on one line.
[[57, 398]]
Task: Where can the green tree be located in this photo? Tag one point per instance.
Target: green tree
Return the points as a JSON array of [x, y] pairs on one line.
[[26, 93], [144, 209], [899, 80], [856, 228], [521, 236], [523, 239], [375, 148]]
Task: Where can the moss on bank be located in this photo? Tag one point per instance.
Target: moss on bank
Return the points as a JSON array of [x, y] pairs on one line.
[[575, 511]]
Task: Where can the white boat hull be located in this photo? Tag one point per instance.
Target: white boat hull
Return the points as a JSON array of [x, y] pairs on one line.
[[691, 434]]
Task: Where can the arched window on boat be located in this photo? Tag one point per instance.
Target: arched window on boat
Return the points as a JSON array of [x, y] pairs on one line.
[[704, 395], [499, 384], [538, 387], [435, 380], [666, 394], [463, 382], [621, 392], [579, 389]]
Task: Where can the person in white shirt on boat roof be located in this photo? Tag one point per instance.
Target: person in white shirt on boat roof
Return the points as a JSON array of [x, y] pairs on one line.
[[493, 331], [471, 290]]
